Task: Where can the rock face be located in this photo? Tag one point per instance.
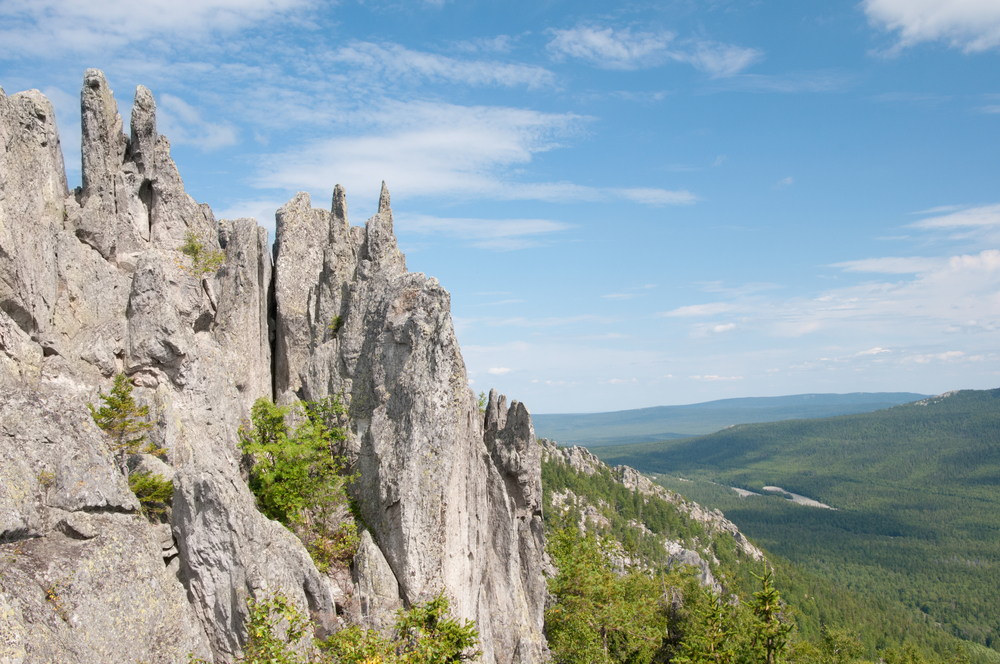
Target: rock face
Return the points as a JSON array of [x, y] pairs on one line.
[[93, 282], [451, 506]]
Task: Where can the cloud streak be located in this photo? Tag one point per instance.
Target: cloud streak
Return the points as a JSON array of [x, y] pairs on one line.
[[624, 49]]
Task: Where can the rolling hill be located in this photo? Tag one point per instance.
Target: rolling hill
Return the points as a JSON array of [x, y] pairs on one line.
[[669, 422], [915, 491]]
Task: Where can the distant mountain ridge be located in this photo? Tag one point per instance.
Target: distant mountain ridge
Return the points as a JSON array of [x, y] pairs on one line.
[[644, 425]]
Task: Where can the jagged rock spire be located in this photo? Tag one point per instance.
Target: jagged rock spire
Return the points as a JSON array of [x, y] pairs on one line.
[[383, 199], [143, 125]]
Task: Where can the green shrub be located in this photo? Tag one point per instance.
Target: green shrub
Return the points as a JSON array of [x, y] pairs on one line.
[[153, 491], [425, 634], [203, 261], [297, 478]]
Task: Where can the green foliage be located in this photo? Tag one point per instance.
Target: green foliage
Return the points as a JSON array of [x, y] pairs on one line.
[[772, 631], [335, 324], [620, 506], [425, 634], [297, 478], [482, 403], [604, 617], [124, 422], [278, 633], [600, 617], [203, 260], [913, 543], [153, 491]]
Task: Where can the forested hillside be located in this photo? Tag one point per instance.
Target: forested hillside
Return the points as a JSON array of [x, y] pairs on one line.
[[663, 422], [829, 622], [915, 491]]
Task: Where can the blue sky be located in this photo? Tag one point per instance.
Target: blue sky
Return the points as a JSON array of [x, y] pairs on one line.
[[632, 204]]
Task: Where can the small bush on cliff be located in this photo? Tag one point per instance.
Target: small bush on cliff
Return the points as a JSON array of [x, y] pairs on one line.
[[203, 261], [125, 423], [426, 634], [153, 491], [297, 477]]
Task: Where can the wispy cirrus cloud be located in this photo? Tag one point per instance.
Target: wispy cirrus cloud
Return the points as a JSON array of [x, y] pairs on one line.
[[45, 28], [892, 265], [497, 234], [395, 62], [608, 48], [970, 25], [184, 124], [432, 149]]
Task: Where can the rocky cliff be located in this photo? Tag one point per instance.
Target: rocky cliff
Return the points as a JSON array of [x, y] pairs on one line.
[[93, 282]]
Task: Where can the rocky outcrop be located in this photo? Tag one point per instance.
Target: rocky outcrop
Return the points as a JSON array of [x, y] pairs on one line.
[[94, 282], [83, 577], [452, 507], [695, 554]]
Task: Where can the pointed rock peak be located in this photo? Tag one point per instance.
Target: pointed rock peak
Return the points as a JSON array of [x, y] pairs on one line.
[[3, 95], [103, 142], [339, 207], [383, 199], [143, 123], [144, 102], [94, 79]]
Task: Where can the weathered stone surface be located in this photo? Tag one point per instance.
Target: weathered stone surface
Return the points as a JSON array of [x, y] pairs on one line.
[[446, 511], [242, 323], [82, 576], [32, 194], [93, 284], [376, 592]]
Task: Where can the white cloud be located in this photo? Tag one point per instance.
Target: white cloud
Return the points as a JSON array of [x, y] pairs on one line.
[[394, 62], [500, 234], [873, 351], [986, 215], [430, 149], [711, 309], [980, 224], [892, 265], [948, 356], [785, 182], [623, 49], [183, 124], [498, 371], [719, 60], [970, 25], [49, 27], [726, 327], [261, 209], [611, 49]]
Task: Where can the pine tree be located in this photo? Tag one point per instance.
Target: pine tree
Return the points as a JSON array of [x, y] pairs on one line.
[[124, 422]]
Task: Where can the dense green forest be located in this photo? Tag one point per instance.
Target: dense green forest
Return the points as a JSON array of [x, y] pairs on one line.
[[916, 492]]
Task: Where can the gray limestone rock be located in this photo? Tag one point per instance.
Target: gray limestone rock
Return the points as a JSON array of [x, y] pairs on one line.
[[94, 283], [32, 194], [102, 288], [376, 592], [447, 511], [83, 578]]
